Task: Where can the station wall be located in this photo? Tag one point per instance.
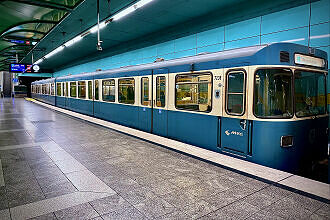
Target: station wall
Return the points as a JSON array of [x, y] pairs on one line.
[[307, 24]]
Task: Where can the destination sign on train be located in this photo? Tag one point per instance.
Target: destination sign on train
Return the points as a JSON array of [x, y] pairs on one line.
[[309, 60]]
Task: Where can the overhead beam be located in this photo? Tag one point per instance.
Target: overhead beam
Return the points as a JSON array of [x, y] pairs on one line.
[[23, 30], [27, 22], [44, 4]]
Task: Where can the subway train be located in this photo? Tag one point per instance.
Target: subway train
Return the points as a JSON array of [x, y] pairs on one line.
[[265, 104]]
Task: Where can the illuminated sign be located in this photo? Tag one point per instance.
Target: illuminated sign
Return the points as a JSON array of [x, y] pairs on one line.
[[17, 41], [24, 68], [309, 60], [17, 67]]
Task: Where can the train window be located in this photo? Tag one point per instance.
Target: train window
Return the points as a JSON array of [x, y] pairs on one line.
[[59, 89], [194, 92], [160, 91], [52, 89], [47, 89], [90, 90], [67, 89], [145, 99], [310, 93], [108, 88], [96, 90], [235, 93], [126, 93], [82, 89], [43, 89], [73, 89], [273, 93]]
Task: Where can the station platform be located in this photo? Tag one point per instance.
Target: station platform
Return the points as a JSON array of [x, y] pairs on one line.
[[56, 166]]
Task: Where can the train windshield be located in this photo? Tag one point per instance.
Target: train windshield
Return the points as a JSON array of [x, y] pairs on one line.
[[273, 93], [310, 93]]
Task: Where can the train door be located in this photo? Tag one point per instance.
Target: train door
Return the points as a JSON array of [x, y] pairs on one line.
[[90, 94], [160, 102], [234, 125], [145, 110], [96, 97], [66, 93]]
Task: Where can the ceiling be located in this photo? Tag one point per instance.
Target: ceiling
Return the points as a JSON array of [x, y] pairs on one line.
[[26, 22], [51, 23]]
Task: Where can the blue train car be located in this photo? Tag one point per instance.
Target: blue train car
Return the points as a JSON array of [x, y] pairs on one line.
[[265, 104], [44, 90]]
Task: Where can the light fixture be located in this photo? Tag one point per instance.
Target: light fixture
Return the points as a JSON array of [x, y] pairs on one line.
[[38, 61], [72, 41], [54, 51], [130, 9], [94, 29]]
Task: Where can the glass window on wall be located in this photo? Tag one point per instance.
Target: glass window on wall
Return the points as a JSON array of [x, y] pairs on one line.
[[73, 89], [82, 89], [59, 89], [108, 88], [145, 99], [96, 90], [235, 93], [273, 93], [90, 90], [126, 92], [310, 93], [194, 92], [160, 91]]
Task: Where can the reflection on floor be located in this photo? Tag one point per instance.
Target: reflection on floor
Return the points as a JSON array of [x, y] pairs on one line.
[[54, 166]]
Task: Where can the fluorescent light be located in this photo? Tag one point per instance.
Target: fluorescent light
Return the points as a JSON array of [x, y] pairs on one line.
[[72, 41], [130, 9], [142, 3], [54, 51], [39, 61], [94, 29], [123, 13]]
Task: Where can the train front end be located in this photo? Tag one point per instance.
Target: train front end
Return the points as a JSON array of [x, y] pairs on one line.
[[290, 127]]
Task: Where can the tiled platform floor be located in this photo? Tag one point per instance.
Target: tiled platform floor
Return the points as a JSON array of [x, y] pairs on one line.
[[48, 158]]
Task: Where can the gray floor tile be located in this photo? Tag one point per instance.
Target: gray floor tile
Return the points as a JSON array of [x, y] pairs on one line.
[[83, 211], [49, 216], [262, 215], [237, 210], [153, 208], [126, 213], [3, 198], [324, 211], [198, 209], [288, 211], [138, 195], [5, 214], [180, 198], [175, 215], [109, 204]]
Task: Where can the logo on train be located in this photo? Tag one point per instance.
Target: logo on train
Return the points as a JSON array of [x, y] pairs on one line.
[[227, 132]]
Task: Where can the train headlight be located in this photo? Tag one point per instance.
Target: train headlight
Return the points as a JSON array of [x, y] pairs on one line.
[[287, 141]]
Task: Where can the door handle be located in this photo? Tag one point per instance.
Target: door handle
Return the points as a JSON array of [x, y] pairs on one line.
[[242, 123]]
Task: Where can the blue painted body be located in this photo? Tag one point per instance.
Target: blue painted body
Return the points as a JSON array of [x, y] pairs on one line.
[[256, 141], [235, 135], [309, 142]]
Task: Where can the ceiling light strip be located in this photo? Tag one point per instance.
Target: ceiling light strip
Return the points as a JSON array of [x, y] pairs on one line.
[[94, 29]]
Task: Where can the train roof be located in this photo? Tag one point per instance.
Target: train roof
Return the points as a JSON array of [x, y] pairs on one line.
[[268, 54]]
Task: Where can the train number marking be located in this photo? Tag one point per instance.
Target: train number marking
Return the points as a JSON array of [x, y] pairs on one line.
[[217, 77]]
